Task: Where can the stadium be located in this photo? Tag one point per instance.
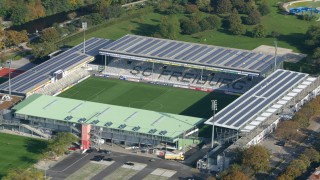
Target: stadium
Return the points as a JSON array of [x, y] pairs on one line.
[[151, 92]]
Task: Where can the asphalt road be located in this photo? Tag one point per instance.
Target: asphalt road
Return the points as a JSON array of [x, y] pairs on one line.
[[75, 161]]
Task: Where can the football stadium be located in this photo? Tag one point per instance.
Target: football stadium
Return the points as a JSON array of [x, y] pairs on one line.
[[150, 92]]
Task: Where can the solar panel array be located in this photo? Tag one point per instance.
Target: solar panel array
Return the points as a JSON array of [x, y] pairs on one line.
[[191, 53], [41, 74], [256, 100]]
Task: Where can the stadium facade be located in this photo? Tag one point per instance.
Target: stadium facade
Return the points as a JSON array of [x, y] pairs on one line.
[[110, 122]]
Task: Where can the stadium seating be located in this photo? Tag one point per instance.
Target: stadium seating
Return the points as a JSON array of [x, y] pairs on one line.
[[179, 75], [68, 80]]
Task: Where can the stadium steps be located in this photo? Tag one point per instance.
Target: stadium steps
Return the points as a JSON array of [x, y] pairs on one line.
[[36, 131]]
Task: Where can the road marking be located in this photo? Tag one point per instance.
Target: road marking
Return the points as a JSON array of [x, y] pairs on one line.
[[69, 165]]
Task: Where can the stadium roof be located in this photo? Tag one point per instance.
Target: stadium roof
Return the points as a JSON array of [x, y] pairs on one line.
[[263, 100], [210, 57], [42, 73], [105, 115]]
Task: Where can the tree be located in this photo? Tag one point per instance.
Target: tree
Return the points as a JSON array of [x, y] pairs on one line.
[[313, 36], [234, 173], [235, 24], [204, 24], [163, 5], [191, 8], [189, 27], [257, 158], [113, 11], [101, 6], [287, 130], [18, 15], [254, 17], [23, 174], [14, 38], [296, 168], [224, 6], [41, 50], [72, 15], [264, 8], [214, 21], [316, 56], [35, 10], [312, 154], [249, 6], [259, 31], [60, 143], [238, 4], [169, 27], [50, 35], [203, 5]]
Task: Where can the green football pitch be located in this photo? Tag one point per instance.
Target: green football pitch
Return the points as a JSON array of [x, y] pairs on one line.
[[148, 96], [18, 151]]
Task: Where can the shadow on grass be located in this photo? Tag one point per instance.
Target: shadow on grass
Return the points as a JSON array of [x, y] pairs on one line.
[[36, 146], [28, 160], [144, 29], [202, 109], [296, 40]]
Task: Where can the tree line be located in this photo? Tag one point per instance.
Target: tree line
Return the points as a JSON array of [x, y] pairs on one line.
[[21, 11]]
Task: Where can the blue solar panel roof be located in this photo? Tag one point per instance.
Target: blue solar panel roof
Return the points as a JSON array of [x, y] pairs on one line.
[[190, 53], [248, 106], [42, 73]]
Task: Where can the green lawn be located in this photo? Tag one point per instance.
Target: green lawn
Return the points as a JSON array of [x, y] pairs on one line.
[[290, 27], [18, 151], [147, 96]]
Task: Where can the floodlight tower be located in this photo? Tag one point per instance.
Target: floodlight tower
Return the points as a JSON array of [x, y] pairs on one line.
[[84, 27], [214, 108], [275, 54]]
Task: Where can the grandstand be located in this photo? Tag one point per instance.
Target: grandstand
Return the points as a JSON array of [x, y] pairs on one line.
[[115, 123], [43, 74], [250, 118], [180, 76], [203, 57]]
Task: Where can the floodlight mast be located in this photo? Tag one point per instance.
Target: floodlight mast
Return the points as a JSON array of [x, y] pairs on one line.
[[84, 27], [214, 108], [275, 54]]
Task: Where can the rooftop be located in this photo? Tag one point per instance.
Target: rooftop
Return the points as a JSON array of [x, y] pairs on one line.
[[207, 56], [105, 115], [42, 73], [260, 102]]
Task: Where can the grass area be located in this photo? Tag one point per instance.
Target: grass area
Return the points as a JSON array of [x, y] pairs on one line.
[[305, 4], [147, 96], [87, 171], [291, 28], [17, 151], [121, 174], [155, 177]]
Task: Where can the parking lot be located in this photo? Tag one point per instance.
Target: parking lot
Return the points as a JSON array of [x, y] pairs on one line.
[[120, 166]]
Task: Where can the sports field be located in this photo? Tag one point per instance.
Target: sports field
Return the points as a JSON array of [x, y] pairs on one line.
[[147, 96], [17, 151]]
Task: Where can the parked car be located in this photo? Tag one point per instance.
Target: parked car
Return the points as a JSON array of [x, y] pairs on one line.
[[97, 158], [129, 163], [108, 159], [104, 151]]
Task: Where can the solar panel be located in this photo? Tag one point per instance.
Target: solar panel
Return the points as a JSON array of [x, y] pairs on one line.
[[216, 58], [194, 52], [124, 42], [202, 54], [235, 59], [252, 60], [117, 42], [163, 48], [272, 83], [226, 57], [170, 50], [211, 55], [132, 43], [186, 52], [153, 47], [243, 60], [259, 63], [178, 50], [140, 45]]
